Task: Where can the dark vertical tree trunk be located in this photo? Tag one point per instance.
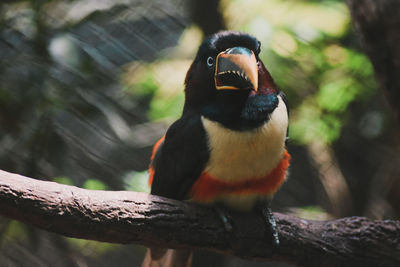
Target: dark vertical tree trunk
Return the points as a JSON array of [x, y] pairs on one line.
[[378, 23], [206, 14]]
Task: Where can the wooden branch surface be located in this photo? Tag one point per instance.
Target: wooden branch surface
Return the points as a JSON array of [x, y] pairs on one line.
[[130, 217]]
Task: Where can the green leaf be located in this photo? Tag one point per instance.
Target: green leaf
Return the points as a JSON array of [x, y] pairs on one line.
[[310, 213]]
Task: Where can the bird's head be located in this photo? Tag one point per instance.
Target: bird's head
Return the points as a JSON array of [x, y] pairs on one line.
[[228, 82], [227, 61]]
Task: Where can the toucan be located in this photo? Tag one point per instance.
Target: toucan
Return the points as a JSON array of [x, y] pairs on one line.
[[228, 148]]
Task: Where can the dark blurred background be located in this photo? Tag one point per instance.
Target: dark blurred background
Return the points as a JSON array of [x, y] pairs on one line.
[[88, 86]]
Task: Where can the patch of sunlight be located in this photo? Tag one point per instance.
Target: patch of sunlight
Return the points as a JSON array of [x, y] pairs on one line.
[[163, 80], [330, 18], [335, 54], [171, 107], [305, 32], [336, 95], [283, 44], [310, 213], [167, 75], [261, 28], [310, 123], [188, 43], [302, 122], [170, 75]]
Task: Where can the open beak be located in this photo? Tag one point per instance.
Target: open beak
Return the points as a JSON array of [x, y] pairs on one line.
[[236, 69]]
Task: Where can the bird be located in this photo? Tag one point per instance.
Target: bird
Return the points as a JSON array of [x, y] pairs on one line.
[[228, 148]]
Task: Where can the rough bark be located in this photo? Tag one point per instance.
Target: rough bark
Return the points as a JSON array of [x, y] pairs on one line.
[[130, 217], [378, 23]]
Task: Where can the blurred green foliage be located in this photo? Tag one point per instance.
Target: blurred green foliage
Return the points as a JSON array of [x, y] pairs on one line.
[[89, 248], [137, 181], [94, 184], [305, 46], [63, 180], [160, 108], [16, 230], [84, 84]]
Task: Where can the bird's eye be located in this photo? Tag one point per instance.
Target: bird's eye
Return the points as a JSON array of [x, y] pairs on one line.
[[210, 61]]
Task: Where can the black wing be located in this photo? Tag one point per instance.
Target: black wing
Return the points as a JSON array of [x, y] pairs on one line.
[[181, 158]]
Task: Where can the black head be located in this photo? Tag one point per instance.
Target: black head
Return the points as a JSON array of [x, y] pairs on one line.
[[227, 68], [224, 40]]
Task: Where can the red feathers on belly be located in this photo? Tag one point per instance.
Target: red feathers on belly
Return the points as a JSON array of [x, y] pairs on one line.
[[207, 188]]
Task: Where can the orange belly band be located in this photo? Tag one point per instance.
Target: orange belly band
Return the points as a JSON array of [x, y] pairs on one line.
[[207, 188]]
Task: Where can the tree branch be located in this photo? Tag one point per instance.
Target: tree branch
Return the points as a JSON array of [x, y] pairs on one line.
[[130, 217]]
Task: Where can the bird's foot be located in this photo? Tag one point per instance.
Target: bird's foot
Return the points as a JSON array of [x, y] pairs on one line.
[[269, 219], [225, 218]]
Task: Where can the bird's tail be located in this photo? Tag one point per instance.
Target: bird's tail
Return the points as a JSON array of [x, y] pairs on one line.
[[161, 257]]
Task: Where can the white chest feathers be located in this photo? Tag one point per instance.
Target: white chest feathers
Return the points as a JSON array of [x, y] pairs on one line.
[[237, 156]]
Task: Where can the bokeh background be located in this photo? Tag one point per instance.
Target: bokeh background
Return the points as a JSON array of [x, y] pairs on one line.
[[88, 86]]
